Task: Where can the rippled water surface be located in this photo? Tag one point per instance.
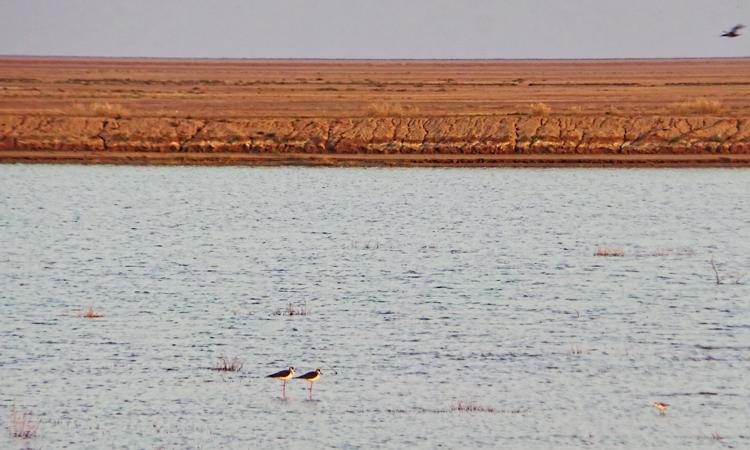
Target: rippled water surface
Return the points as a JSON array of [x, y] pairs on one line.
[[425, 289]]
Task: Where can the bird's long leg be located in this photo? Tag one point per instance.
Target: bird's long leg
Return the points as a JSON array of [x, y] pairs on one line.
[[310, 391], [283, 390]]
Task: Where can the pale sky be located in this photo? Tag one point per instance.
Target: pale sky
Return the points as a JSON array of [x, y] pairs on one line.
[[374, 28]]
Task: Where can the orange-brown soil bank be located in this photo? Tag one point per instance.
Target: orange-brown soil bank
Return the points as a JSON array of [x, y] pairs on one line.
[[686, 112]]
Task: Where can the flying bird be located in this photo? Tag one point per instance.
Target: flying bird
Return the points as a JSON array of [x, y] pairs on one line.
[[733, 33], [310, 377], [283, 375]]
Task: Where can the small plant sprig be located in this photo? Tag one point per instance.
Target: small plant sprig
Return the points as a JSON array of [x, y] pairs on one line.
[[90, 313]]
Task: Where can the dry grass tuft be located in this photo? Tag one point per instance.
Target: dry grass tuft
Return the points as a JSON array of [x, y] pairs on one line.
[[100, 109], [539, 109], [224, 364], [21, 425], [698, 106], [472, 407], [383, 109], [292, 310], [49, 111], [603, 250], [90, 313], [575, 110]]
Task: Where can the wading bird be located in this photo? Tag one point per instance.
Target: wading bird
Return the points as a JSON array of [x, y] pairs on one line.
[[310, 377], [733, 33], [283, 375], [662, 407]]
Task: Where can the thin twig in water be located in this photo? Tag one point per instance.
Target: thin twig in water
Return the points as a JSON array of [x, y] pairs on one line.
[[716, 272], [733, 278]]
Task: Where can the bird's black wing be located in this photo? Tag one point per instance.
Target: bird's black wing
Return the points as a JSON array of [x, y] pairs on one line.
[[308, 375], [282, 373], [737, 28]]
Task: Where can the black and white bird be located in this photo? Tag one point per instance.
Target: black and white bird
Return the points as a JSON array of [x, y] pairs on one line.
[[310, 377], [283, 375], [733, 33]]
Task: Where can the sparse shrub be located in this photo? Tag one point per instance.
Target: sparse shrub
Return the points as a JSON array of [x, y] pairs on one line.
[[609, 251], [383, 109], [90, 313], [21, 425], [292, 310], [697, 106], [50, 111], [539, 109], [224, 364], [100, 109], [576, 110]]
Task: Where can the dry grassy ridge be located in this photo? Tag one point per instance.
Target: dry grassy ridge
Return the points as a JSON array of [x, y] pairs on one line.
[[677, 112]]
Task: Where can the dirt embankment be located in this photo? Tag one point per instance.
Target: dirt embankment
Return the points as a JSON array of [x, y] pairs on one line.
[[483, 135], [686, 112]]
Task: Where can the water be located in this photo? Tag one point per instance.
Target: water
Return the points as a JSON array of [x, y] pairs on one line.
[[426, 288]]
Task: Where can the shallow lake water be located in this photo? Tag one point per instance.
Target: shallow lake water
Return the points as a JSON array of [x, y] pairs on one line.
[[425, 289]]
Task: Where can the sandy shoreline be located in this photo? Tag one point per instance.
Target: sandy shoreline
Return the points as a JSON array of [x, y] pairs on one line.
[[675, 113], [361, 160]]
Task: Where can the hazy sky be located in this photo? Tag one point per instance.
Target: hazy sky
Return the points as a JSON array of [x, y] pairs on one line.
[[374, 28]]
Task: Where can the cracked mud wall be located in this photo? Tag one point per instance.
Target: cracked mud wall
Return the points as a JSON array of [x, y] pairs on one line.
[[384, 135]]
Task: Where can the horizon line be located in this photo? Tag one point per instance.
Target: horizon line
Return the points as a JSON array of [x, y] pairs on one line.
[[216, 58]]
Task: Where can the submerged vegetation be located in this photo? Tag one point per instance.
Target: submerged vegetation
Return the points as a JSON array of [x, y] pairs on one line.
[[21, 424], [462, 406], [604, 250], [225, 364], [293, 310]]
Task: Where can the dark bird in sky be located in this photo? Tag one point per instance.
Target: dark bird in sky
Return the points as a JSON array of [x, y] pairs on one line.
[[733, 32]]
